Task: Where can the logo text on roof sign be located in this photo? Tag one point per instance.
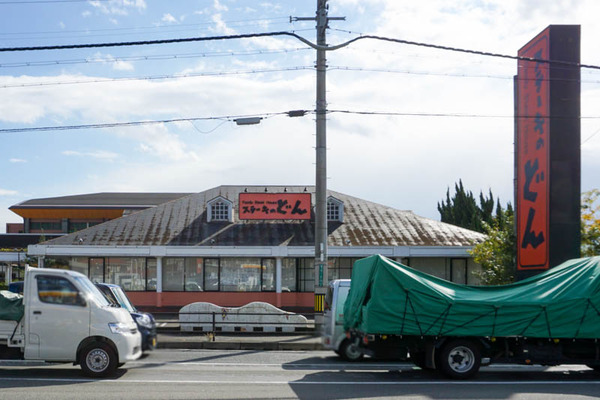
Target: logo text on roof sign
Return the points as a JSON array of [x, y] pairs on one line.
[[268, 206]]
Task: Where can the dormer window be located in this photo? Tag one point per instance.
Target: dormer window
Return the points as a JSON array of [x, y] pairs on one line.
[[219, 209], [335, 210]]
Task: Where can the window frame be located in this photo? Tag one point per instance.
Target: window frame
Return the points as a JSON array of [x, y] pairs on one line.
[[220, 200]]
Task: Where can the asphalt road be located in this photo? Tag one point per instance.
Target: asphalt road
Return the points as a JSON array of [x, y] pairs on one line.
[[214, 374]]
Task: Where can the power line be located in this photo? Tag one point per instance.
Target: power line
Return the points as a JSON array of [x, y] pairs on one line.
[[292, 34], [268, 115], [139, 123], [99, 59]]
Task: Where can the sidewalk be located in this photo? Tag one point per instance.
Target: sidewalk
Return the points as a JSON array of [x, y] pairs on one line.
[[239, 341]]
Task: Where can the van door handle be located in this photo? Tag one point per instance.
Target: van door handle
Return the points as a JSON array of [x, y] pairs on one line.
[[37, 312]]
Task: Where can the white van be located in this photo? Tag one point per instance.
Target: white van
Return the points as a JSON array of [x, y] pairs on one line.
[[63, 317], [333, 336]]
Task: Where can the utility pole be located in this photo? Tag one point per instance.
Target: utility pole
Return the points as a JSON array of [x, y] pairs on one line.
[[321, 280]]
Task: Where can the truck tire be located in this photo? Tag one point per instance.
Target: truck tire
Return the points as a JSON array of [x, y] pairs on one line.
[[349, 351], [459, 359], [98, 360]]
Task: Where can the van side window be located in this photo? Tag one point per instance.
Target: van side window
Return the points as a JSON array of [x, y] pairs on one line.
[[56, 290]]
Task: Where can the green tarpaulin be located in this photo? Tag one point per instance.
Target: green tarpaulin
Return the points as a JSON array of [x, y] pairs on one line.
[[387, 297], [11, 306]]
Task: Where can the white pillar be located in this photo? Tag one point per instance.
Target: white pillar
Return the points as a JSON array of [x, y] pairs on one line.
[[159, 274], [8, 276], [41, 262], [278, 265]]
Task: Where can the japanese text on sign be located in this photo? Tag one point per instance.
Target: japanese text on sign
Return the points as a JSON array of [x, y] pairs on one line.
[[533, 155], [274, 206]]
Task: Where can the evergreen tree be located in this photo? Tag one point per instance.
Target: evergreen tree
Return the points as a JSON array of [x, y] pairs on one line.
[[462, 209]]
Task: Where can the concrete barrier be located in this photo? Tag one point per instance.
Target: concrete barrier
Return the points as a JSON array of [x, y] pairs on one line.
[[253, 317]]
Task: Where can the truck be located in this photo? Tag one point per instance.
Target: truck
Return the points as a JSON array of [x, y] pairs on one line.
[[549, 319], [62, 317]]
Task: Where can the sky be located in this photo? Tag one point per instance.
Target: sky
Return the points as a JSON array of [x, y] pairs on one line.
[[407, 162]]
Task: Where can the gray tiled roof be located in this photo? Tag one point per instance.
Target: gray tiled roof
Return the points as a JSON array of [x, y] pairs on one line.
[[183, 222], [102, 200]]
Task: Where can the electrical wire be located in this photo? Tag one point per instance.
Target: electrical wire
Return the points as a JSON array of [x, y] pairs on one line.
[[303, 40], [268, 115], [137, 123], [100, 59]]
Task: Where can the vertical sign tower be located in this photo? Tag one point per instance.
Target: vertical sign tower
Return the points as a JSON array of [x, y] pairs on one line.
[[547, 150]]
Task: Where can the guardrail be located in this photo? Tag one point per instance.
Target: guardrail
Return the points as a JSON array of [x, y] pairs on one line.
[[214, 322]]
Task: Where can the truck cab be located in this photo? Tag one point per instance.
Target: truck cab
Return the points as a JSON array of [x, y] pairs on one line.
[[333, 336], [66, 319]]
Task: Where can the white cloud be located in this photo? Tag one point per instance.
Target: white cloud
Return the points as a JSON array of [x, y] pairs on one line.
[[169, 19], [218, 6], [98, 154], [117, 65], [220, 26], [17, 160], [118, 7], [86, 13], [5, 192]]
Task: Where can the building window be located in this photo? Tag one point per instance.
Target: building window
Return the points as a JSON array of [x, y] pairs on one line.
[[335, 210], [288, 275], [39, 226], [219, 209], [127, 272], [211, 274], [173, 274], [306, 274], [96, 268], [268, 275], [193, 275]]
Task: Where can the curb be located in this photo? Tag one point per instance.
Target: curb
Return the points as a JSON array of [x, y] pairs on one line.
[[241, 346]]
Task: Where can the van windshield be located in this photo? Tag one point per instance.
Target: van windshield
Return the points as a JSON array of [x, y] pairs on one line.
[[92, 290], [123, 299]]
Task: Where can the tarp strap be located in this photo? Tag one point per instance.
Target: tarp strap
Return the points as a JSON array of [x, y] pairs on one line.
[[444, 314], [587, 305], [414, 313], [547, 322], [445, 318], [531, 323], [495, 316], [467, 323], [404, 315], [594, 307]]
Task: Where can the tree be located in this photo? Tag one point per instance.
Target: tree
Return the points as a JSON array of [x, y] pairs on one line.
[[590, 223], [462, 209], [496, 254]]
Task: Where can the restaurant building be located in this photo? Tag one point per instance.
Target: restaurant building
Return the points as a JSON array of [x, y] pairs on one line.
[[232, 245]]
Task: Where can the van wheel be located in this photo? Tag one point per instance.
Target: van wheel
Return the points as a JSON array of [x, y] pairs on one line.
[[98, 360], [349, 351], [460, 359]]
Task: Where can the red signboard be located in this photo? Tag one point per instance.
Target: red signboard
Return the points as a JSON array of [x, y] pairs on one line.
[[533, 140], [274, 206]]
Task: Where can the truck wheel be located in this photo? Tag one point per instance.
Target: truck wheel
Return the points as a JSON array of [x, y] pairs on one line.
[[459, 359], [349, 351], [98, 360]]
